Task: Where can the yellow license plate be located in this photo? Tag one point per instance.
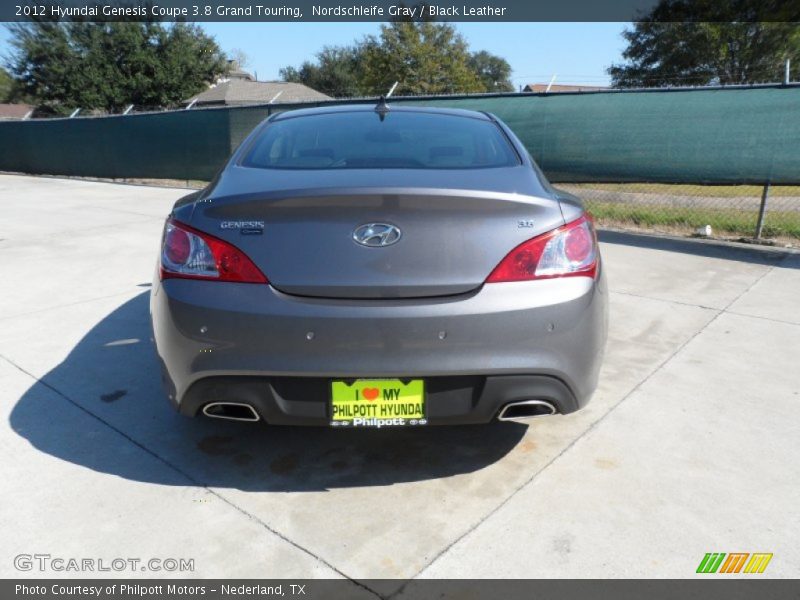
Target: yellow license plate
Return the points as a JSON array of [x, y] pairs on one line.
[[378, 403]]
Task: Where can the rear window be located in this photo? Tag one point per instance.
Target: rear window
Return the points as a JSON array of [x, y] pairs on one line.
[[360, 140]]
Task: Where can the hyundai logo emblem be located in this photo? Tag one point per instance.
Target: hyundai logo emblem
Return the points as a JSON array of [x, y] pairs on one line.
[[376, 235]]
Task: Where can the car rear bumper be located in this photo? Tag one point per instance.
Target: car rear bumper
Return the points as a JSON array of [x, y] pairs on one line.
[[477, 352], [458, 400]]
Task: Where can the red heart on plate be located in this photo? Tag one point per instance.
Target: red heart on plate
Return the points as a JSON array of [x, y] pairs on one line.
[[370, 393]]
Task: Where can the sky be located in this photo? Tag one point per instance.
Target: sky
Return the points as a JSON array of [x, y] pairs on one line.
[[573, 52]]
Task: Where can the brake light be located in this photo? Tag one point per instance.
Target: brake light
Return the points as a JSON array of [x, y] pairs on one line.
[[568, 251], [187, 253]]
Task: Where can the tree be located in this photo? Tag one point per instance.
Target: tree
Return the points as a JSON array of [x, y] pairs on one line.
[[240, 58], [423, 56], [109, 65], [5, 85], [337, 72], [704, 42], [493, 71]]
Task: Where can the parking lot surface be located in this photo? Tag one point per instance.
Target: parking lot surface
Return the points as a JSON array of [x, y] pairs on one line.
[[690, 445]]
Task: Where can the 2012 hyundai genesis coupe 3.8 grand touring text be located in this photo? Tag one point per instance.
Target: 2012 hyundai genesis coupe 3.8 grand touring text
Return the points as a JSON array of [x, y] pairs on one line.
[[375, 266]]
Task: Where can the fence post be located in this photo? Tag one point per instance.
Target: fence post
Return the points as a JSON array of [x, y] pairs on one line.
[[762, 211]]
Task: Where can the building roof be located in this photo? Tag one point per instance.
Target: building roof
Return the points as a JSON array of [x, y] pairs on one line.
[[236, 72], [239, 74], [559, 87], [14, 111], [242, 91]]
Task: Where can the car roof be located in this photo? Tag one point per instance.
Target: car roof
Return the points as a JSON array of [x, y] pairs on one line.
[[349, 108]]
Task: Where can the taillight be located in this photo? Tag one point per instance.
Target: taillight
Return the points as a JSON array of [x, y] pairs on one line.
[[568, 251], [191, 254]]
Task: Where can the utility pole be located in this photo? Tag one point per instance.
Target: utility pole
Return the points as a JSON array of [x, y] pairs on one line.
[[762, 211]]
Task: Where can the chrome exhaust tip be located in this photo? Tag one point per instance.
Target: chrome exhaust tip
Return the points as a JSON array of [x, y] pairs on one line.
[[525, 410], [231, 411]]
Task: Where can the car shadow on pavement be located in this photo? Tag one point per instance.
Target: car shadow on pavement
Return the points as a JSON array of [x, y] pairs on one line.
[[118, 421], [760, 255]]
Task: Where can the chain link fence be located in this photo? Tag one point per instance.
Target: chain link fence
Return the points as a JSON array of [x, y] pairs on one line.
[[731, 212]]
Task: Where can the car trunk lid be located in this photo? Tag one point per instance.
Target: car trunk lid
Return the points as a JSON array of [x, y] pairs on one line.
[[449, 239]]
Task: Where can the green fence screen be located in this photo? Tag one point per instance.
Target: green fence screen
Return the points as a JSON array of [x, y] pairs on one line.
[[719, 136]]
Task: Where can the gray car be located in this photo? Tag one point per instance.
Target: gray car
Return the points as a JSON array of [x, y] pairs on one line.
[[374, 266]]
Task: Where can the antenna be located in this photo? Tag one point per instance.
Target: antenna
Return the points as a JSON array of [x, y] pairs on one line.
[[382, 108]]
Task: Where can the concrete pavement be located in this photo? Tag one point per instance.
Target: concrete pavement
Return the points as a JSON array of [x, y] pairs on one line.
[[690, 445]]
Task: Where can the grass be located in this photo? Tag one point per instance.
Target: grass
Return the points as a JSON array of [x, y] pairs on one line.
[[777, 224], [671, 189]]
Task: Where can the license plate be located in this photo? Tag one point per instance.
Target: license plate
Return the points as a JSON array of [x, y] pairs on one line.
[[378, 403]]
